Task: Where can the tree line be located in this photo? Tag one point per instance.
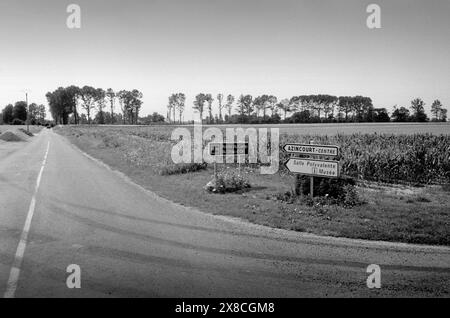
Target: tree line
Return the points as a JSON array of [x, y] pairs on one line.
[[99, 106], [319, 108], [17, 114], [417, 113], [64, 105]]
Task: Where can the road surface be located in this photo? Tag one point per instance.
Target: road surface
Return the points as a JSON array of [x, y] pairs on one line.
[[129, 242]]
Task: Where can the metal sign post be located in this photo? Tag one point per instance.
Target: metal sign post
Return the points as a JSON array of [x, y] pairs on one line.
[[311, 181], [224, 149], [215, 171]]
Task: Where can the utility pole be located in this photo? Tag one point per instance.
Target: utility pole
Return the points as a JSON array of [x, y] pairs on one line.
[[28, 113]]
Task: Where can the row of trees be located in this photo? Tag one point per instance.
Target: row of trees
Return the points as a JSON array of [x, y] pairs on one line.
[[18, 113], [302, 108], [417, 113], [65, 101]]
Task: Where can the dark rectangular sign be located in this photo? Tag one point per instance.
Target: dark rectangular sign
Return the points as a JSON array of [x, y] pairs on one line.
[[228, 148]]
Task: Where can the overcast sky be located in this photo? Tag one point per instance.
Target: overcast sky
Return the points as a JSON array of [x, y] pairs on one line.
[[279, 47]]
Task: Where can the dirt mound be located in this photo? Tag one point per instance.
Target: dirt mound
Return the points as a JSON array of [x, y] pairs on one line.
[[11, 136]]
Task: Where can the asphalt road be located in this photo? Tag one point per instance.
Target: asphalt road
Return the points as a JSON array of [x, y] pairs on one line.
[[130, 243]]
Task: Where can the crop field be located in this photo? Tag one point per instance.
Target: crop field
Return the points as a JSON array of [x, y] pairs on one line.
[[402, 180], [394, 158], [364, 128]]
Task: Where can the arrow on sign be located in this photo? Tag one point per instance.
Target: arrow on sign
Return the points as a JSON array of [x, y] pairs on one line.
[[312, 167]]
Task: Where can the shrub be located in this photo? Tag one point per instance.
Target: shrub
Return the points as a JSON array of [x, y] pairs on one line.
[[339, 191], [228, 181], [349, 197], [332, 188], [182, 168], [17, 121]]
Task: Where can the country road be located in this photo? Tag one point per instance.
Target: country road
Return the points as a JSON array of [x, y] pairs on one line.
[[129, 242]]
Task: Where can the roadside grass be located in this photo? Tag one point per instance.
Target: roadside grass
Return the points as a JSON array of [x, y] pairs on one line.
[[399, 213]]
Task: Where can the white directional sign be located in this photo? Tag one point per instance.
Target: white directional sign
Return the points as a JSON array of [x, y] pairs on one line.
[[312, 167], [310, 149]]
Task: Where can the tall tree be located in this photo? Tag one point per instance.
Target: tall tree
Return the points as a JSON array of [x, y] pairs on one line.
[[199, 104], [41, 113], [88, 95], [121, 96], [181, 100], [400, 114], [328, 104], [418, 108], [438, 111], [111, 95], [100, 101], [74, 94], [209, 99], [7, 114], [260, 103], [171, 107], [443, 116], [20, 110], [32, 113], [295, 104], [245, 106], [272, 103], [284, 105], [229, 104], [135, 105], [345, 105], [220, 101]]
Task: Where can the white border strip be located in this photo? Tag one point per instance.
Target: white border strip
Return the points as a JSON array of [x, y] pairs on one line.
[[15, 270]]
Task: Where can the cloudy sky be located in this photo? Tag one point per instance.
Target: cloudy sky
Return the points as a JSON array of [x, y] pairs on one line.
[[279, 47]]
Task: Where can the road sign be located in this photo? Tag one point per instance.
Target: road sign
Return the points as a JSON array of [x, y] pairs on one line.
[[313, 167], [313, 150], [228, 148]]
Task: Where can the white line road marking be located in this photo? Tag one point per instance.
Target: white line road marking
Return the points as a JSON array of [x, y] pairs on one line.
[[15, 270]]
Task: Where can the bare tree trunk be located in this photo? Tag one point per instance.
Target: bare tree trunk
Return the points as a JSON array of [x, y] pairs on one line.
[[112, 112]]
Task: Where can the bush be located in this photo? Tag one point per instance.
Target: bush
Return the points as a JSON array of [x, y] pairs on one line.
[[17, 121], [228, 181], [340, 191], [333, 188], [182, 168], [349, 197]]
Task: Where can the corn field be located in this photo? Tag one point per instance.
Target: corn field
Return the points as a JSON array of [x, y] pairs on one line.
[[416, 159], [412, 159]]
